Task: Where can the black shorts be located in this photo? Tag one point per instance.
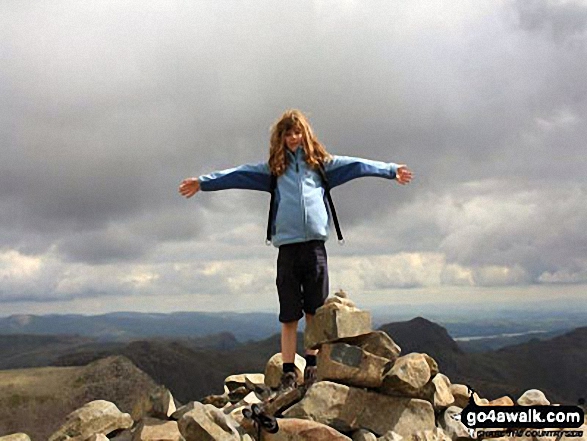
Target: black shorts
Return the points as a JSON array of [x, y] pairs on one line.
[[302, 279]]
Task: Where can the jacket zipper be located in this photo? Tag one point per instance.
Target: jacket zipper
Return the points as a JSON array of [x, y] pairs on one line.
[[301, 187]]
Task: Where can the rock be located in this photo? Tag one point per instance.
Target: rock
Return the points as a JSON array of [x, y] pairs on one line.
[[431, 364], [377, 343], [98, 437], [533, 397], [351, 365], [274, 370], [334, 321], [207, 423], [503, 401], [95, 417], [347, 408], [441, 396], [238, 394], [16, 437], [363, 435], [151, 429], [341, 298], [408, 375], [460, 392], [453, 428], [435, 434], [216, 400], [162, 404], [233, 382], [390, 436], [179, 413], [293, 429]]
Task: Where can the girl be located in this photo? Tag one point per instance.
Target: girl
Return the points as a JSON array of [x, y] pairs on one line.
[[300, 221]]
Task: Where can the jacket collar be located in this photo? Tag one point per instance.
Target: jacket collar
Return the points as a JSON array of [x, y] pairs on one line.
[[299, 153]]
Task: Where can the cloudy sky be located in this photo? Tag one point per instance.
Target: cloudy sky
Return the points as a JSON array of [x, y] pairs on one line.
[[106, 106]]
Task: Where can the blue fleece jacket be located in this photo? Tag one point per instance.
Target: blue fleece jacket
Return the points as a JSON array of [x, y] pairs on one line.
[[301, 214]]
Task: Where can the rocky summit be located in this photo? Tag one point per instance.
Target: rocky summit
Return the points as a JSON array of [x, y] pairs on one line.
[[366, 390]]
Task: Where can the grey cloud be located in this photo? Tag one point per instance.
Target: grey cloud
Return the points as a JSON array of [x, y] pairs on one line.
[[108, 107], [561, 20]]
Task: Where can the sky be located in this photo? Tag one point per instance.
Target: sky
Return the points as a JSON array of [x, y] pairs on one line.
[[106, 106]]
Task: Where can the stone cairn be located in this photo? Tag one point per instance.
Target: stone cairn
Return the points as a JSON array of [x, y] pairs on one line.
[[366, 391]]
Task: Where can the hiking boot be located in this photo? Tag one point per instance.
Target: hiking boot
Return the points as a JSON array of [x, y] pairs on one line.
[[310, 375], [289, 380]]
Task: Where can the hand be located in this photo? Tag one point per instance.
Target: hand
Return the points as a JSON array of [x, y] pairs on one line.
[[404, 175], [189, 187]]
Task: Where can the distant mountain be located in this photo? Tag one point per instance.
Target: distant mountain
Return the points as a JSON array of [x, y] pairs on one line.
[[194, 367], [125, 326], [556, 366], [191, 373], [24, 351]]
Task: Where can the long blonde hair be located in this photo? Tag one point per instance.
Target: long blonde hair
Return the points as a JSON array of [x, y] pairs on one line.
[[315, 152]]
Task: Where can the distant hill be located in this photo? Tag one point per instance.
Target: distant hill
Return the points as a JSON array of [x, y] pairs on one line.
[[125, 326], [193, 368], [36, 401], [23, 351], [555, 366]]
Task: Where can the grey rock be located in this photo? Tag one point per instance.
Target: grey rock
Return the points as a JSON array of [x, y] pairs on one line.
[[377, 343], [207, 423], [435, 434], [152, 429], [336, 320], [347, 408], [162, 404], [95, 417], [351, 365], [533, 397], [408, 376]]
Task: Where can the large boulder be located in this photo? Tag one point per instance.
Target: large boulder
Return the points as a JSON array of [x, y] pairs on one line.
[[152, 429], [274, 370], [408, 376], [351, 365], [347, 408], [336, 319], [162, 404], [437, 391], [376, 343], [95, 417], [293, 429], [207, 423], [249, 381]]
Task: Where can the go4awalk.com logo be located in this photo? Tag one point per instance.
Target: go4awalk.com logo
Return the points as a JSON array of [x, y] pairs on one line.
[[517, 420]]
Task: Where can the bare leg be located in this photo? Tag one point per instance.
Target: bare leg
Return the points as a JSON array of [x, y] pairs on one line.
[[289, 334], [309, 318]]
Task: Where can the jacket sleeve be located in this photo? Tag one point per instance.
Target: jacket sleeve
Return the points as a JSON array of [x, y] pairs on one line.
[[341, 169], [247, 177]]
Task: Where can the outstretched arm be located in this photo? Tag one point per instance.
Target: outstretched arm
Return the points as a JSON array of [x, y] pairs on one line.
[[342, 169], [247, 176]]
